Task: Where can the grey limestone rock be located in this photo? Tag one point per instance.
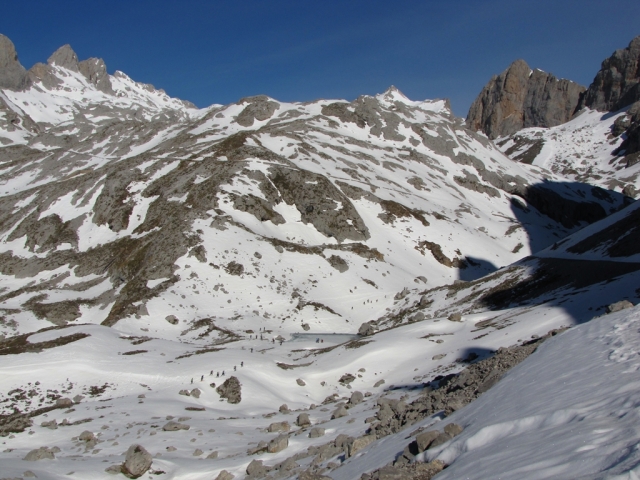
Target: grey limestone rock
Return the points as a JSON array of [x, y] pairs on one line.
[[621, 305], [278, 444], [260, 108], [316, 432], [617, 84], [173, 426], [424, 439], [64, 57], [256, 468], [42, 453], [300, 382], [64, 403], [224, 475], [339, 412], [279, 427], [366, 329], [12, 74], [520, 98], [231, 390], [358, 444], [137, 462], [440, 439], [196, 392], [303, 420], [356, 398], [95, 70], [453, 429]]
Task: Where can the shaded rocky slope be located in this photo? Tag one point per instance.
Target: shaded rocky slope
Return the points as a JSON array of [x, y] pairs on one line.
[[520, 98]]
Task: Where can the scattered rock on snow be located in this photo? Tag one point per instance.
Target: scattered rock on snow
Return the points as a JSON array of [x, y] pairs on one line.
[[303, 420], [424, 439], [621, 305], [196, 392], [172, 319], [173, 426], [366, 329], [339, 412], [278, 444], [279, 427], [231, 390], [224, 475], [358, 444], [137, 461], [42, 453], [316, 432], [356, 398], [300, 382]]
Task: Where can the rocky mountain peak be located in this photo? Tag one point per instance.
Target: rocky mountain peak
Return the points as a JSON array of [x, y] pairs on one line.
[[617, 84], [12, 74], [521, 97], [95, 70], [64, 57]]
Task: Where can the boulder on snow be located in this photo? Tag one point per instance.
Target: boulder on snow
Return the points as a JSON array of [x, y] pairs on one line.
[[224, 475], [278, 444], [279, 427], [172, 319], [453, 429], [42, 453], [424, 439], [358, 444], [300, 382], [196, 392], [356, 398], [621, 305], [303, 420], [366, 329], [256, 469], [284, 408], [316, 432], [137, 461], [231, 390], [339, 412], [173, 426]]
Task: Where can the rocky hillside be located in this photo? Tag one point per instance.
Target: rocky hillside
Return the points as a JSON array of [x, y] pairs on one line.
[[118, 202], [521, 98]]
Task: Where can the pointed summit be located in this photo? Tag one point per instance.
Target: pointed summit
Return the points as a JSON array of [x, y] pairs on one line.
[[64, 57], [12, 73]]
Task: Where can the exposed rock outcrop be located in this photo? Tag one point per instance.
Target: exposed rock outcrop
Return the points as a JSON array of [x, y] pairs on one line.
[[520, 98], [617, 84], [12, 74]]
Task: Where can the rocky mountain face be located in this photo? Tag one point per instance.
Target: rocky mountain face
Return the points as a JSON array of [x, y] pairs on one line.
[[591, 147], [617, 84], [520, 98]]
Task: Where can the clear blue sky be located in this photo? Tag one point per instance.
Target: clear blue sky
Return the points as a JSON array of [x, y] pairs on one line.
[[214, 51]]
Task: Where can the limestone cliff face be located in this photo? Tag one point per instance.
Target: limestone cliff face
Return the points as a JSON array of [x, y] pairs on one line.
[[520, 98], [12, 73], [617, 84]]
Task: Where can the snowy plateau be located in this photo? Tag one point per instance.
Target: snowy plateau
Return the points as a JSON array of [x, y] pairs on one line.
[[322, 290]]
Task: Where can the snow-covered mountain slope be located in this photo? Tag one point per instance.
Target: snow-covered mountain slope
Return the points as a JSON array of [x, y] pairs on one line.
[[585, 149], [117, 209]]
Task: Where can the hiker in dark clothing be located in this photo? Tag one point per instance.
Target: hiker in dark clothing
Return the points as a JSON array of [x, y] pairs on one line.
[[252, 350], [192, 381], [223, 373], [242, 364], [234, 368], [201, 378], [217, 374]]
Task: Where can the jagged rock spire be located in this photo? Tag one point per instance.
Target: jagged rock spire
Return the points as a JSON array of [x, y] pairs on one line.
[[64, 57]]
